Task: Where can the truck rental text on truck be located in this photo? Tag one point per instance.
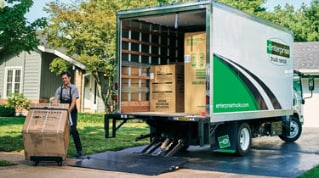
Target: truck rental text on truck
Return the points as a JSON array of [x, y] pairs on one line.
[[203, 73]]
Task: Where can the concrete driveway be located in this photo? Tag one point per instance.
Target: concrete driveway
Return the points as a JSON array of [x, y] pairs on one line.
[[269, 156]]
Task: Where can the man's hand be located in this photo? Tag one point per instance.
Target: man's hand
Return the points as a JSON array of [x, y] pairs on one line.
[[54, 101]]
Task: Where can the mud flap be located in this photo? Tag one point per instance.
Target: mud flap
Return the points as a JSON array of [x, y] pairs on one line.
[[131, 162], [225, 138]]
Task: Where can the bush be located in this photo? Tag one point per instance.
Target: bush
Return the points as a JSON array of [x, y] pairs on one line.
[[6, 111], [18, 101], [6, 163]]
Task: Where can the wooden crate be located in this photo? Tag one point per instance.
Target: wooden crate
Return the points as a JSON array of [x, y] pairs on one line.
[[134, 71], [134, 89], [167, 88], [195, 77], [134, 96], [135, 106]]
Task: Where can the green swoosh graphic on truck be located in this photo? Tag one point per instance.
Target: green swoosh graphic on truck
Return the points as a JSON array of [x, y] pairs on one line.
[[270, 94], [237, 89]]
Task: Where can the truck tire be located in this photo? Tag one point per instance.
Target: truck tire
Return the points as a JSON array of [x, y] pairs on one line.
[[294, 130], [243, 139]]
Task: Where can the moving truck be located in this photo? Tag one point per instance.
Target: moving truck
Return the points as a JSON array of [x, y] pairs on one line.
[[204, 73]]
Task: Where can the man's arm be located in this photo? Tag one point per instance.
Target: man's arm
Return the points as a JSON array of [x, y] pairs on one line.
[[75, 96]]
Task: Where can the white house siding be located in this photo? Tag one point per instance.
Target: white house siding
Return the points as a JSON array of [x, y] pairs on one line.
[[311, 107], [49, 80], [32, 75]]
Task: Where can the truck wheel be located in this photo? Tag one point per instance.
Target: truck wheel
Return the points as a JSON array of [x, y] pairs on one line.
[[294, 130], [243, 139]]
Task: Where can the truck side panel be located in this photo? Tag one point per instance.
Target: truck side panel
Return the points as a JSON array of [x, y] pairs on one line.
[[252, 67]]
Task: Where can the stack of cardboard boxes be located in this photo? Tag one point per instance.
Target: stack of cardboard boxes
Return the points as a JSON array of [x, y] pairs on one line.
[[195, 77], [167, 88], [181, 87]]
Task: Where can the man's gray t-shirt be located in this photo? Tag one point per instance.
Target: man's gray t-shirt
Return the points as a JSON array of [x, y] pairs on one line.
[[66, 92]]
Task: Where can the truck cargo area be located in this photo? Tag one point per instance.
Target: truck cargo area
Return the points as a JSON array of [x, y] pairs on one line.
[[152, 78], [152, 64]]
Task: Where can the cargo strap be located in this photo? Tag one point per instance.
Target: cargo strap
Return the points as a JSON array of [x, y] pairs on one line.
[[46, 117]]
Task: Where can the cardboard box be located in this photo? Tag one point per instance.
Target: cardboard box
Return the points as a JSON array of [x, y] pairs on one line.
[[46, 131], [167, 88], [195, 73]]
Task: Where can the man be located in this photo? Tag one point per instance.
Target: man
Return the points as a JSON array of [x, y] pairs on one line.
[[68, 93]]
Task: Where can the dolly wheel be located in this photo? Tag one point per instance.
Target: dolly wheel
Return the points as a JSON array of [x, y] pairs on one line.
[[35, 163]]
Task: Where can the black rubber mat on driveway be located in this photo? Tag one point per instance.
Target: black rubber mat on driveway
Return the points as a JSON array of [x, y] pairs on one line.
[[131, 162]]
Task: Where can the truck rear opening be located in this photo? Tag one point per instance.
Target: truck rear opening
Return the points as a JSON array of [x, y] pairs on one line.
[[203, 73], [152, 64], [152, 73]]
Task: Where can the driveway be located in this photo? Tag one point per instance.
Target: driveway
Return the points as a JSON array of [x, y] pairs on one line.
[[269, 157]]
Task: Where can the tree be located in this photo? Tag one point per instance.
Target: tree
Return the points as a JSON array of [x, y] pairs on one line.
[[303, 22], [249, 6], [88, 31], [16, 34], [307, 19], [160, 2]]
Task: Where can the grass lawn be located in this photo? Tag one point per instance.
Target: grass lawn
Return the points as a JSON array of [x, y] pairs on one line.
[[91, 129]]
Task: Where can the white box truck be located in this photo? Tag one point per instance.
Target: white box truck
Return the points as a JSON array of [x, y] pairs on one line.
[[237, 82]]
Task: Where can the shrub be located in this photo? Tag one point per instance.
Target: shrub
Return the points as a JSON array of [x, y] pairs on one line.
[[6, 111], [6, 163], [18, 101]]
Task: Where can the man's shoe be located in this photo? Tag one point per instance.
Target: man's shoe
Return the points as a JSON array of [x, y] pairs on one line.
[[78, 154]]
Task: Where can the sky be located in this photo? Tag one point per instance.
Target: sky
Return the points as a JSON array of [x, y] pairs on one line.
[[270, 4], [36, 10]]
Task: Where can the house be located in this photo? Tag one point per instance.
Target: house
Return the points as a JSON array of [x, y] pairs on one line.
[[306, 60], [29, 73]]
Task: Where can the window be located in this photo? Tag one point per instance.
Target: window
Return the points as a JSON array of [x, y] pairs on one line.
[[13, 81]]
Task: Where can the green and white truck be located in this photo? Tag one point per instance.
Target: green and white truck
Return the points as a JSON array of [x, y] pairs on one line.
[[230, 78]]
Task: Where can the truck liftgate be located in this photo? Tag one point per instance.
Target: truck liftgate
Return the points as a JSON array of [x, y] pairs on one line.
[[168, 135], [153, 159], [126, 161]]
